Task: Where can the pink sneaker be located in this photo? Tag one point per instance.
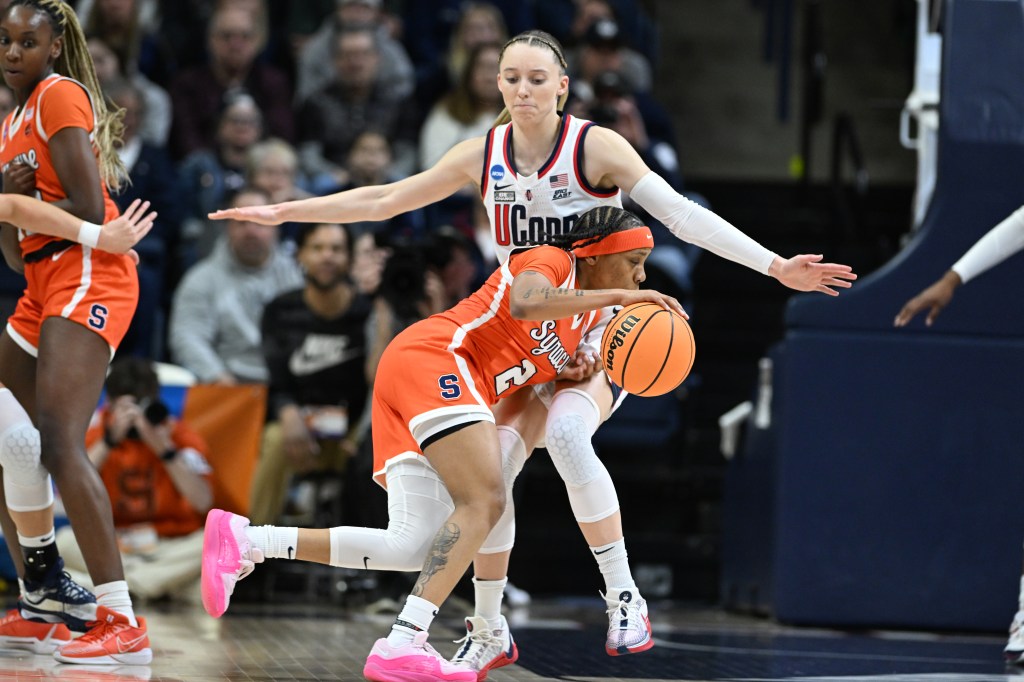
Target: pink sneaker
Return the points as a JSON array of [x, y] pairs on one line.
[[227, 558], [415, 662]]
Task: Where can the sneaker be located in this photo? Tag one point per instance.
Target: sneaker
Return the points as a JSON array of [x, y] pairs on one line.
[[58, 598], [629, 629], [413, 662], [1014, 651], [227, 558], [112, 640], [36, 636], [484, 649]]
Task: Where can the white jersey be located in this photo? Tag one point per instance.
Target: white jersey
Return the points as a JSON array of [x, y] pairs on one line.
[[523, 209]]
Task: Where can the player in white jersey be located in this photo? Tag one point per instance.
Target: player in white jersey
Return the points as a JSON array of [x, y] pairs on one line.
[[533, 82]]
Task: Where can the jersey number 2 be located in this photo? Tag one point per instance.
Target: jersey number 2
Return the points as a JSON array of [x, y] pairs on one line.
[[517, 375]]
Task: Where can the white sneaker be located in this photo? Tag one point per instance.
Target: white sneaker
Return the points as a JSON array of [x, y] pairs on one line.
[[227, 558], [516, 597], [1014, 651], [416, 661], [629, 629], [484, 649]]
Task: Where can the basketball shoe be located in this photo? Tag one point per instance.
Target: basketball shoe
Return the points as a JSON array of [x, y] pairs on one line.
[[227, 558], [629, 629], [484, 649], [37, 636], [58, 598], [112, 640], [413, 662], [1014, 651]]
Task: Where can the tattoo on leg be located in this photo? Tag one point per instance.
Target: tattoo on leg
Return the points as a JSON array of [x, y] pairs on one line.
[[437, 559]]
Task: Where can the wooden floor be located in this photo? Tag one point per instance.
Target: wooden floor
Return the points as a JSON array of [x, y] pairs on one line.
[[559, 639]]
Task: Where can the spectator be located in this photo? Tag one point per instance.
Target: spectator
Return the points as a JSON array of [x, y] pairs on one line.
[[132, 30], [468, 110], [208, 176], [369, 163], [457, 263], [603, 48], [152, 177], [315, 348], [214, 330], [235, 37], [155, 124], [7, 101], [155, 470], [273, 167], [568, 20], [352, 103], [395, 75]]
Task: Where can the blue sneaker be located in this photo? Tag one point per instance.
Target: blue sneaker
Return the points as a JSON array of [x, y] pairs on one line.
[[57, 599]]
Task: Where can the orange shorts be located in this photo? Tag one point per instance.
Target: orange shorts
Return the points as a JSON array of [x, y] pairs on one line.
[[96, 289], [422, 391]]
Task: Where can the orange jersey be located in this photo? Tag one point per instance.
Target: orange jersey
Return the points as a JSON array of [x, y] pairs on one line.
[[450, 368], [141, 489], [55, 103]]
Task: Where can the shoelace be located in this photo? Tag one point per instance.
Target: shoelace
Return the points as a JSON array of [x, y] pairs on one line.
[[68, 586], [473, 655], [97, 634]]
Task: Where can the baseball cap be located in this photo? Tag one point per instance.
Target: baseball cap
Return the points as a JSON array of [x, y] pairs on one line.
[[603, 33]]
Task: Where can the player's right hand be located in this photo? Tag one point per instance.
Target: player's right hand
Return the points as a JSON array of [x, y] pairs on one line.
[[264, 215], [128, 229], [936, 297]]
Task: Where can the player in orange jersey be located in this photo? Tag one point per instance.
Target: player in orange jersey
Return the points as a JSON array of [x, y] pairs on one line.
[[435, 443], [57, 145]]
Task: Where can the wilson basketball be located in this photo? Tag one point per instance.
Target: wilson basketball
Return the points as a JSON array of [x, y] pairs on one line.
[[647, 350]]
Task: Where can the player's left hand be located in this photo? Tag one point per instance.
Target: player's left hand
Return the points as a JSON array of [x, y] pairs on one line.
[[125, 231], [806, 272], [583, 366]]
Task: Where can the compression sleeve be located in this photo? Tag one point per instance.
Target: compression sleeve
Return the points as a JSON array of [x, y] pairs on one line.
[[998, 244], [693, 223]]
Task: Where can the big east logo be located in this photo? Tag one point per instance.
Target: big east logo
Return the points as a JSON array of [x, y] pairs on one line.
[[619, 339]]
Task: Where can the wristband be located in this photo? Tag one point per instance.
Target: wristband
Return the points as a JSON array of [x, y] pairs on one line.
[[169, 454], [89, 234]]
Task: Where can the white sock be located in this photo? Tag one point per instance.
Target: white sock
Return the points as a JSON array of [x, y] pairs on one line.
[[114, 596], [488, 595], [614, 564], [416, 616], [276, 542]]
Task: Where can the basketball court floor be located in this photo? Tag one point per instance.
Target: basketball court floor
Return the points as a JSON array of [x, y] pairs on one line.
[[559, 639]]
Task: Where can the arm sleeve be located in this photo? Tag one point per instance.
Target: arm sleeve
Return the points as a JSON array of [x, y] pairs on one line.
[[695, 224], [998, 244]]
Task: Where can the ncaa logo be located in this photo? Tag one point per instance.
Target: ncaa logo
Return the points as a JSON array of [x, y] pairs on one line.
[[497, 172]]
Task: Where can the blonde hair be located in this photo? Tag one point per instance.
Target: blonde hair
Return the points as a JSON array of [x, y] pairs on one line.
[[539, 39], [74, 62], [272, 147]]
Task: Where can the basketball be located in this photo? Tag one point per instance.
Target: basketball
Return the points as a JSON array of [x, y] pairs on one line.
[[647, 350]]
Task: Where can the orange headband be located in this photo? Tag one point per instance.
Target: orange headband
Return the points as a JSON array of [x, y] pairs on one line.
[[618, 242]]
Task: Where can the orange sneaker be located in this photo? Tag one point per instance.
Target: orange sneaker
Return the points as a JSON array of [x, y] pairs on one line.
[[112, 640], [39, 637]]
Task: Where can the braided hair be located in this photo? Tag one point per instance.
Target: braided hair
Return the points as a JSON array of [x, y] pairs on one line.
[[593, 226], [74, 62], [537, 39]]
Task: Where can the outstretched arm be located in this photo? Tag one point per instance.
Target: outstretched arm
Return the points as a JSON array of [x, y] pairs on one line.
[[117, 236], [456, 169], [611, 161], [998, 244]]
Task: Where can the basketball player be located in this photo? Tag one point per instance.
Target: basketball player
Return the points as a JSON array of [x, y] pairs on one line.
[[57, 145], [995, 246], [435, 445], [537, 170]]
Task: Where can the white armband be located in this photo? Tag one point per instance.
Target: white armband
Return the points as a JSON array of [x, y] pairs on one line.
[[89, 234], [998, 244], [693, 223]]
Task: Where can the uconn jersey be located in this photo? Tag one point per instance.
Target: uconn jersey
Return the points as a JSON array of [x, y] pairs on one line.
[[523, 209]]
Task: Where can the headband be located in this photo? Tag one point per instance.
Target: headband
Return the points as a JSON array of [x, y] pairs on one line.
[[618, 242]]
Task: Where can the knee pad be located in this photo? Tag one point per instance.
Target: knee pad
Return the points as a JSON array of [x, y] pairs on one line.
[[26, 483], [572, 420], [513, 456]]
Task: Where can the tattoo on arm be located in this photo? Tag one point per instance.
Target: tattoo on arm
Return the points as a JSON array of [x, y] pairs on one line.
[[555, 292], [437, 558]]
